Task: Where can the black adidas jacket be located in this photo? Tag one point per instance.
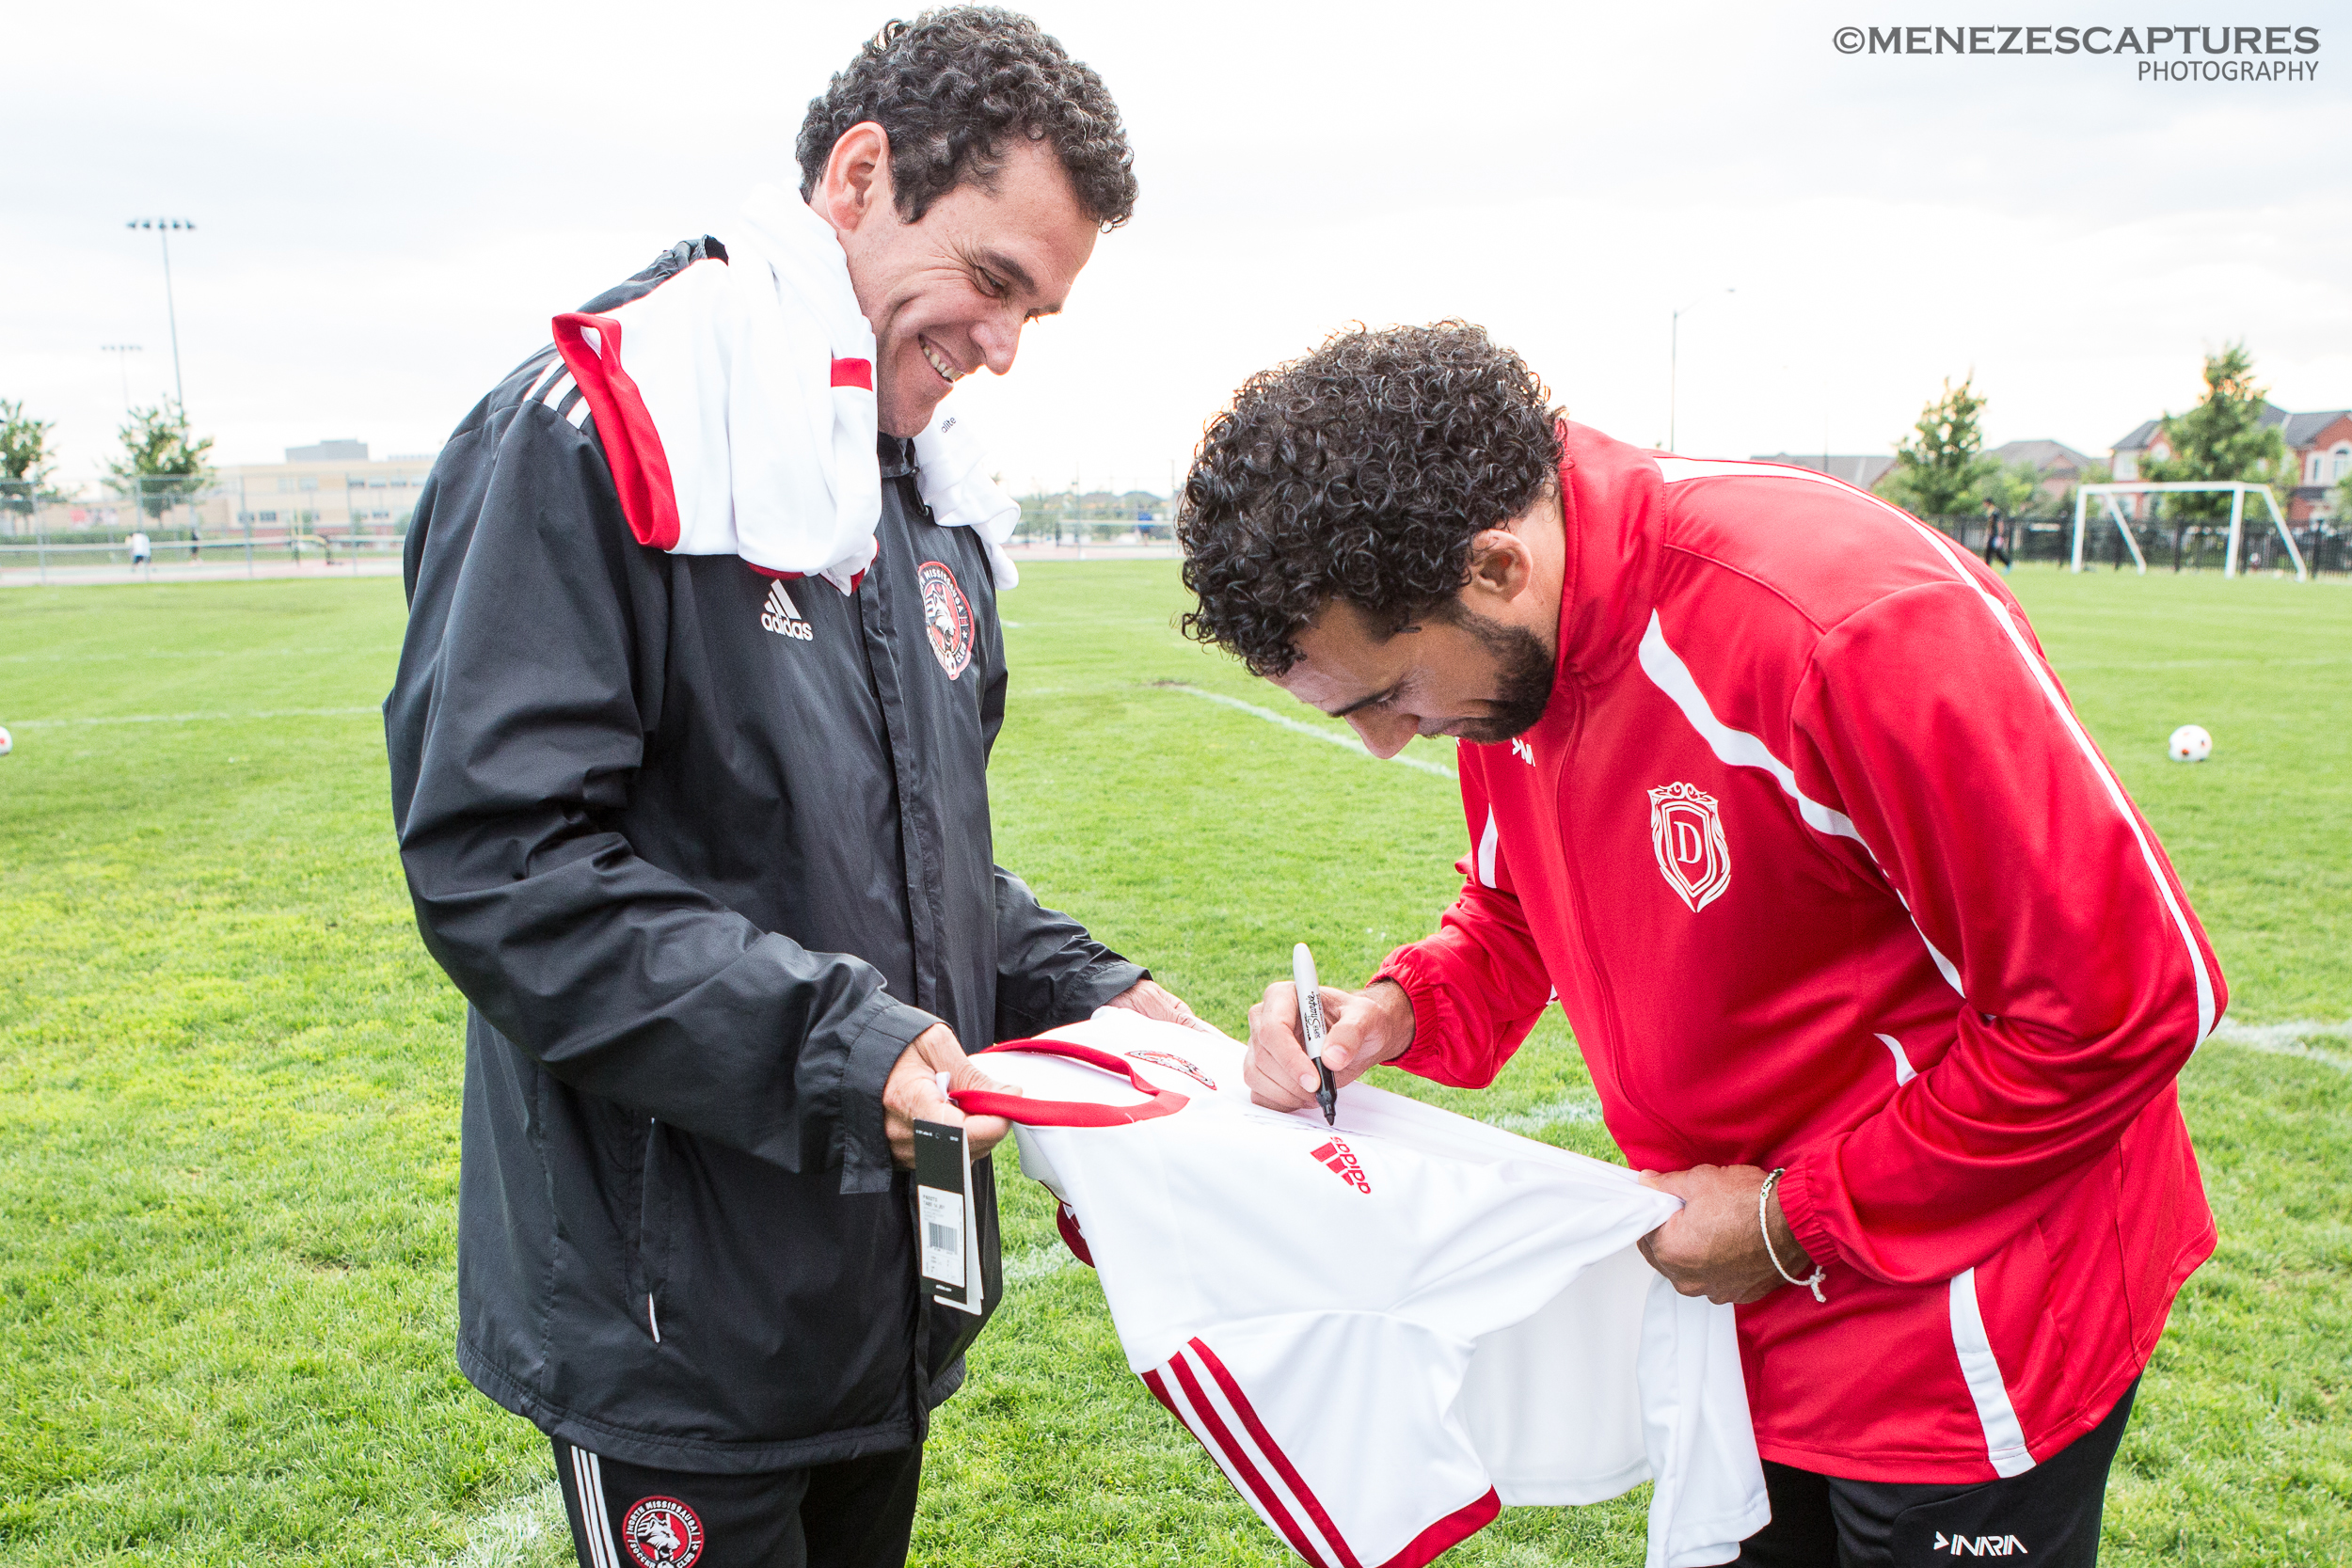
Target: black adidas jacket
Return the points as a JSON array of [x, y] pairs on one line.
[[704, 852]]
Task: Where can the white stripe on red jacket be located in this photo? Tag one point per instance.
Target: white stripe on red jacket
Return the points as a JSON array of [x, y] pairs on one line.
[[1827, 874]]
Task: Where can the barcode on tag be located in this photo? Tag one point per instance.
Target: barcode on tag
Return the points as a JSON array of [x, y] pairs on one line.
[[942, 1235]]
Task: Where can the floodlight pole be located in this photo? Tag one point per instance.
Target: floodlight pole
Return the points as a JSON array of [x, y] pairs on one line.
[[163, 228], [1673, 364], [119, 351]]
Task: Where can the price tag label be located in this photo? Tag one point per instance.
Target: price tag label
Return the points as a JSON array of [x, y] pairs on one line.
[[946, 1239]]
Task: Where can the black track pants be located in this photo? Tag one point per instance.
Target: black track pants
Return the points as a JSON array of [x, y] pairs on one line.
[[858, 1513], [2047, 1517]]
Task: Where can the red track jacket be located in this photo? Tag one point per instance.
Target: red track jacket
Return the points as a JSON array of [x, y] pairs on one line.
[[1826, 874]]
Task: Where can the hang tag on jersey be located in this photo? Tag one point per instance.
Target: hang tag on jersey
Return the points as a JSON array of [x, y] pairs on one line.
[[949, 1239]]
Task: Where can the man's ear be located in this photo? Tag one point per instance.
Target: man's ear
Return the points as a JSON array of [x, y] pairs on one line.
[[856, 182], [1502, 567]]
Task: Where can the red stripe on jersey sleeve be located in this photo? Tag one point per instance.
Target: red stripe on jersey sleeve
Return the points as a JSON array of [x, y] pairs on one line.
[[1448, 1532], [1273, 1450], [1075, 1239], [1240, 1459]]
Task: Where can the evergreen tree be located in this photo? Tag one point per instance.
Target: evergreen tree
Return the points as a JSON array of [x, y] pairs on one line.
[[161, 464], [2223, 438], [1942, 470]]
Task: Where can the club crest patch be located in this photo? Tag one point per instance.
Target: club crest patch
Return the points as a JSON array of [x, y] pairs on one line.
[[662, 1532], [1685, 830], [1174, 1064], [947, 616]]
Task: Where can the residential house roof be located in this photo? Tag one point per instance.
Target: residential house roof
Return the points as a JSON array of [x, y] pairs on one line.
[[2303, 429], [1864, 470], [2043, 456], [2145, 433]]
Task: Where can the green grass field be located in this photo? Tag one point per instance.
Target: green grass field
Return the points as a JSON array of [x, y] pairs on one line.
[[229, 1077]]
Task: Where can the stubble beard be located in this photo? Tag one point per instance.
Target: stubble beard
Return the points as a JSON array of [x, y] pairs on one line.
[[1522, 684]]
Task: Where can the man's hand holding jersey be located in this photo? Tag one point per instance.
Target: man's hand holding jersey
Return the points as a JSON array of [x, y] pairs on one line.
[[912, 1092], [1713, 1246], [1366, 1028], [1155, 1001]]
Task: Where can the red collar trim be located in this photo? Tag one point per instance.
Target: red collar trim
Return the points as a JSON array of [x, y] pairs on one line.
[[1020, 1109]]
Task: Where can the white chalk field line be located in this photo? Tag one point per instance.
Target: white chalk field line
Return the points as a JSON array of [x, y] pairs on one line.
[[507, 1535], [2288, 1039], [199, 717], [1298, 726]]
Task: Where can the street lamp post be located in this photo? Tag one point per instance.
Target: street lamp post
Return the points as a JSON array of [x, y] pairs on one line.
[[1673, 366], [163, 228], [121, 352]]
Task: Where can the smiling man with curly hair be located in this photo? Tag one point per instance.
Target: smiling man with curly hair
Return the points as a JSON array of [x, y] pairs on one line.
[[1872, 961]]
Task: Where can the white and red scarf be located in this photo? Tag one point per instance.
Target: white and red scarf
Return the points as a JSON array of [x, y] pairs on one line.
[[739, 417]]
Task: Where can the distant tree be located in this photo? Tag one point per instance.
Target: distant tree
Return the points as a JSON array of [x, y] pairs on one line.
[[24, 456], [2223, 438], [2016, 488], [162, 463], [1943, 469], [2340, 513]]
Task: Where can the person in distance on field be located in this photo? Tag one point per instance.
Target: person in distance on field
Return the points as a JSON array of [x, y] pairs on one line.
[[1872, 961], [689, 747], [1996, 535]]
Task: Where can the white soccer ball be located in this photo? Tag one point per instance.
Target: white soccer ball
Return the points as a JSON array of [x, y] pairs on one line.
[[2190, 743], [6, 743]]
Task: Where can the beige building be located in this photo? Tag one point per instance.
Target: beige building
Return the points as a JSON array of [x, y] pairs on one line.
[[333, 491], [333, 488]]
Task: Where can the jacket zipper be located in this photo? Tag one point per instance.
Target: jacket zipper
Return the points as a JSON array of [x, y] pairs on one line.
[[1613, 1048], [645, 1225]]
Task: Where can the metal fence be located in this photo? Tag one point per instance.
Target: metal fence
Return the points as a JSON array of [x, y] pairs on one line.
[[214, 524], [167, 523], [2179, 545]]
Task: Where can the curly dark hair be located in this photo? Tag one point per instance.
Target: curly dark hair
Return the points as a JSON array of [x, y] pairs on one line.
[[1360, 472], [950, 87]]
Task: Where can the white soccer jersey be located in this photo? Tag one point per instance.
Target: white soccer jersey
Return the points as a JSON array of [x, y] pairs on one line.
[[1383, 1332]]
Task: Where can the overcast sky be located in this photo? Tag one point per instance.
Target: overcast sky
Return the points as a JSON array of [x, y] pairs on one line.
[[391, 202]]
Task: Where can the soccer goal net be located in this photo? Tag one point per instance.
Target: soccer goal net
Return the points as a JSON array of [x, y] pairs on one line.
[[2237, 490]]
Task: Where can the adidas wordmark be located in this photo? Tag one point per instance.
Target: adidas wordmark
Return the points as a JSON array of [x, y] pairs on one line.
[[782, 617]]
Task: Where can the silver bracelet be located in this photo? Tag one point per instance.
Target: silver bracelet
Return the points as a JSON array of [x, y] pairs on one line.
[[1763, 1198]]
